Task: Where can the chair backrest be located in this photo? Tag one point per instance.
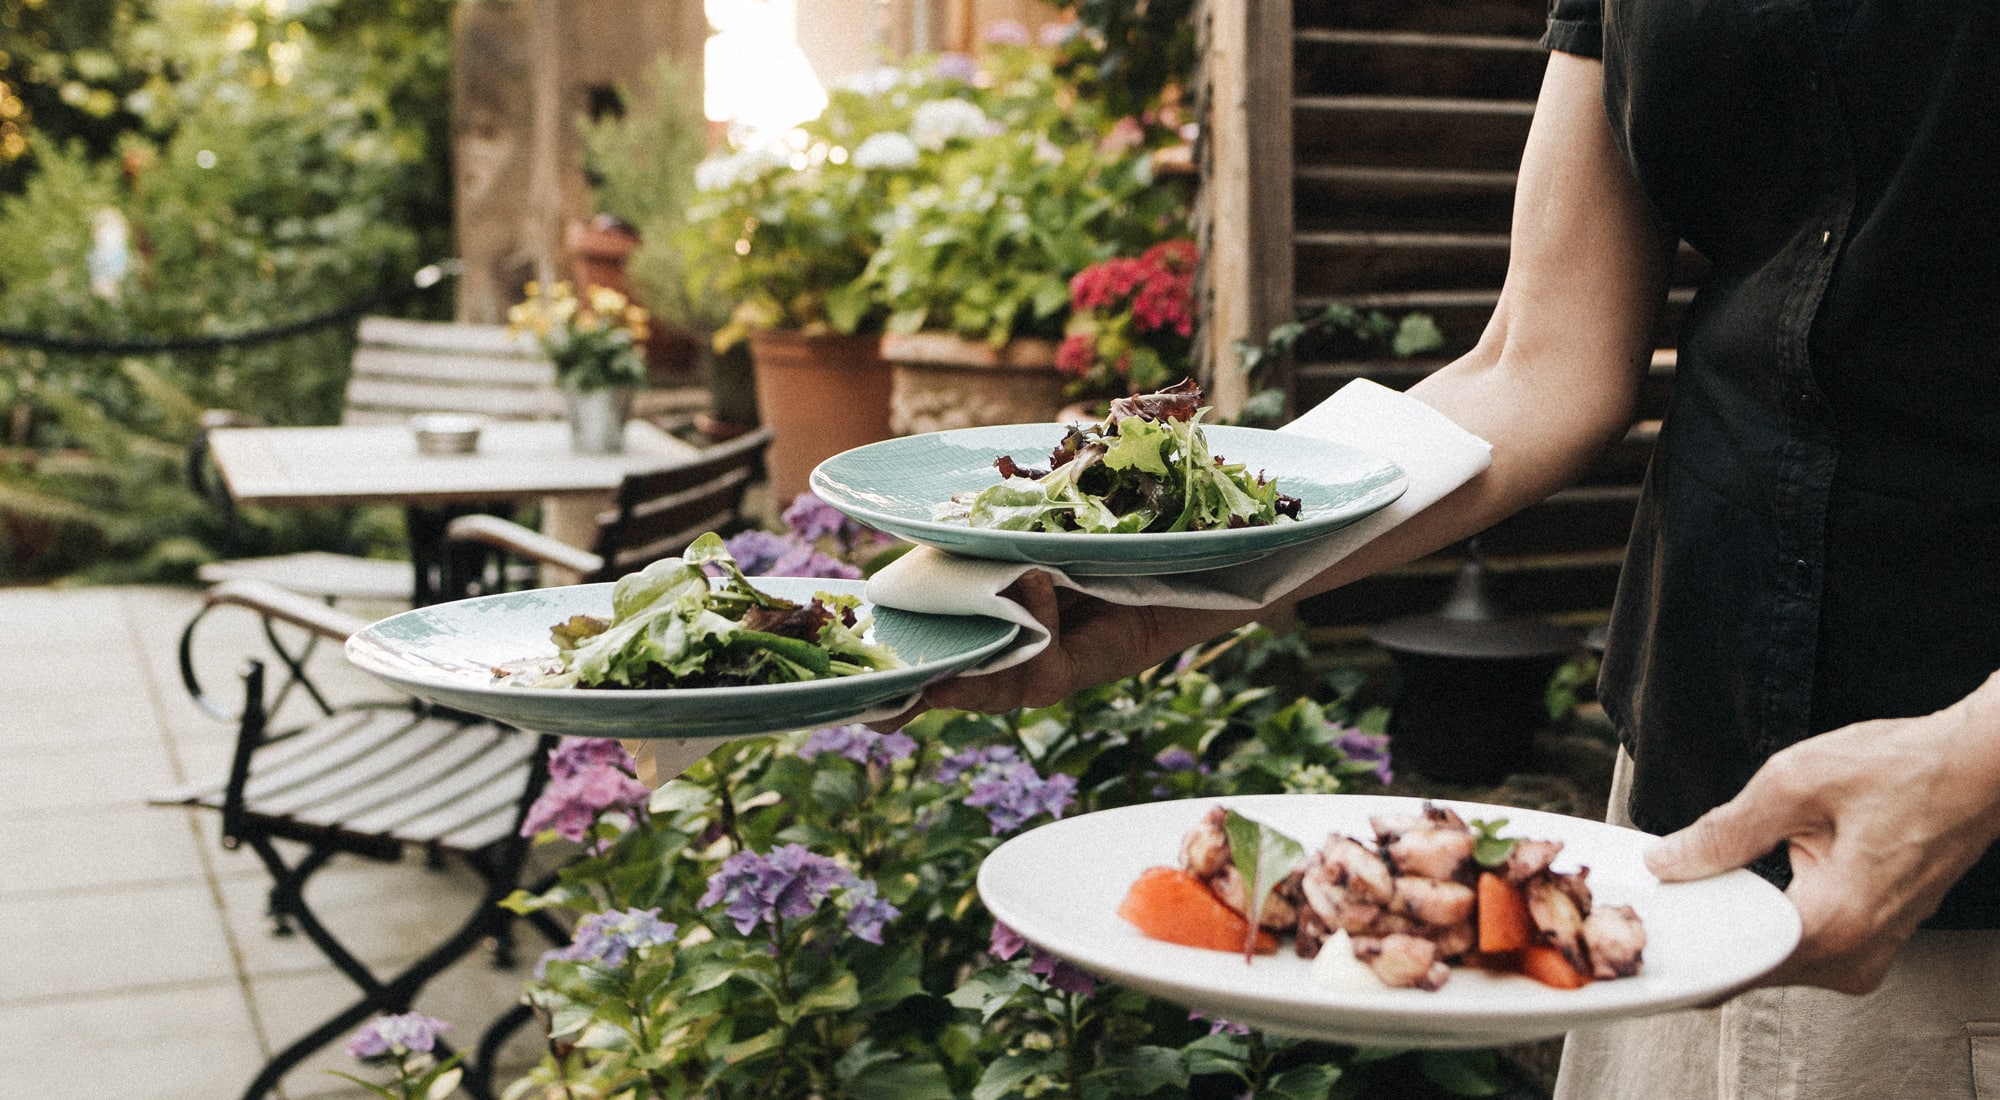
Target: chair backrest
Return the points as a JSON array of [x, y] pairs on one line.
[[659, 512], [405, 367]]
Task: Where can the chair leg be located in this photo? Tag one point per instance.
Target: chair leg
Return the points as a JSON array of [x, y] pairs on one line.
[[391, 995]]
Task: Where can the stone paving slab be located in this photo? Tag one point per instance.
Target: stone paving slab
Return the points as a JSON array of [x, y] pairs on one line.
[[136, 961]]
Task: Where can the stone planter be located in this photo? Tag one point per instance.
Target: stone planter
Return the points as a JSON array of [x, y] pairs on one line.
[[943, 381], [820, 394]]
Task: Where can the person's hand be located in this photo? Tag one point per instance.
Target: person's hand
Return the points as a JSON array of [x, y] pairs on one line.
[[1090, 642], [1882, 817]]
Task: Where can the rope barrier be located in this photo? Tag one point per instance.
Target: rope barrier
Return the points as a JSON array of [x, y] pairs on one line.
[[425, 278]]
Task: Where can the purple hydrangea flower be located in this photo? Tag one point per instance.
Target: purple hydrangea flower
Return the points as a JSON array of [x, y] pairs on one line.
[[791, 881], [1008, 32], [1056, 33], [607, 938], [1219, 1026], [955, 66], [804, 560], [569, 805], [867, 914], [1061, 975], [576, 755], [1006, 943], [858, 743], [1366, 748], [394, 1036], [1014, 793], [756, 551], [972, 760], [1177, 759], [811, 518]]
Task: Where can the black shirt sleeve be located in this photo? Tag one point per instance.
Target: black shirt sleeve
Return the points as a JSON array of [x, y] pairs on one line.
[[1576, 26]]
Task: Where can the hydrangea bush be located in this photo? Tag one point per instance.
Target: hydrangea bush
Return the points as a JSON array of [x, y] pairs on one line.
[[796, 915]]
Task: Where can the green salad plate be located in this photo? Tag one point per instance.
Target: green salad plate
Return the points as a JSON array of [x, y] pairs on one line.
[[896, 486], [459, 655]]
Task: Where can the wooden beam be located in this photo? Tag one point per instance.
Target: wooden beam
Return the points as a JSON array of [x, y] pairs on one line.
[[1244, 215]]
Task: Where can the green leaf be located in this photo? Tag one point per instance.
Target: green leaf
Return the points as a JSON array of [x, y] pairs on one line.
[[1009, 1072], [1464, 1072], [1489, 848], [1263, 856], [835, 996], [1138, 1071], [1301, 1083]]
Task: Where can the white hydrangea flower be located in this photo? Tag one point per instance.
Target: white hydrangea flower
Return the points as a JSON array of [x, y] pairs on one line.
[[890, 149], [870, 82], [943, 120], [722, 172]]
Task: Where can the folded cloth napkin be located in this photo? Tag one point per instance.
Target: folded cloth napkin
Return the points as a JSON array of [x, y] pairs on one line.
[[1436, 455]]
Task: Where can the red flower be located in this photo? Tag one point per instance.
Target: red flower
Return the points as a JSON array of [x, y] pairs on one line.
[[1077, 355]]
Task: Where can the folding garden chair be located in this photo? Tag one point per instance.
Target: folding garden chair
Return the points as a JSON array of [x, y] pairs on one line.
[[655, 514], [374, 780]]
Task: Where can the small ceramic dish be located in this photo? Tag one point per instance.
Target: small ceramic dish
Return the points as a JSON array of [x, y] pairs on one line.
[[447, 433]]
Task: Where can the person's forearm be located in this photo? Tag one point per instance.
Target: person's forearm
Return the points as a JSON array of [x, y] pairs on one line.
[[1554, 379]]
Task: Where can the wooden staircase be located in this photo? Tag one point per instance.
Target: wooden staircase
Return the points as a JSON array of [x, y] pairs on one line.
[[1408, 122]]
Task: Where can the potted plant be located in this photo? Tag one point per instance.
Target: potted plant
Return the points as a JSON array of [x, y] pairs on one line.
[[1131, 324], [640, 161], [784, 233], [595, 345], [975, 268]]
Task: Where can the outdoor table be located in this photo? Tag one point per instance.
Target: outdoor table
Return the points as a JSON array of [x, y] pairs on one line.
[[515, 462]]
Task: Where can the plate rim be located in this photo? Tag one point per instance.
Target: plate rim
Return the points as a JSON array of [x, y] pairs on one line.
[[365, 649], [950, 533]]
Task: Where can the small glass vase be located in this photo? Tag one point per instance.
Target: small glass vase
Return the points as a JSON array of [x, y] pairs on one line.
[[597, 419]]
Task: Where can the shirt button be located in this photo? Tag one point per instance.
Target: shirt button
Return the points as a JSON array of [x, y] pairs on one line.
[[1825, 237], [1802, 574]]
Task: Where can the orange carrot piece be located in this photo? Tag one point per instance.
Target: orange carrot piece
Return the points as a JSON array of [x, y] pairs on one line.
[[1548, 966], [1167, 903], [1504, 923]]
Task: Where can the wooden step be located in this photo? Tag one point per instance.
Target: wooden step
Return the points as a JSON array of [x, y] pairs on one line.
[[1329, 61], [1314, 382], [1410, 131], [1460, 314], [1334, 197], [1331, 264], [1519, 18]]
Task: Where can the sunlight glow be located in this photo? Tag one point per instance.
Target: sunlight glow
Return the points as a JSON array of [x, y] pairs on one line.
[[758, 78]]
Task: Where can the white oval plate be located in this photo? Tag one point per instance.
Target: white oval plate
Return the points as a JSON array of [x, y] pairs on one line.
[[1059, 886]]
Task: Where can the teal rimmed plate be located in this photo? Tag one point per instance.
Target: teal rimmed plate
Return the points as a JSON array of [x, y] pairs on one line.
[[448, 653], [895, 486]]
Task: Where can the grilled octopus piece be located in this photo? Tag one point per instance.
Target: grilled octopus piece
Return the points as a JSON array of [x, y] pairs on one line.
[[1615, 939], [1403, 961], [1205, 854], [1556, 913]]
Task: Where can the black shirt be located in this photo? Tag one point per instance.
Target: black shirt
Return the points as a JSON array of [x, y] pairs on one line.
[[1818, 541]]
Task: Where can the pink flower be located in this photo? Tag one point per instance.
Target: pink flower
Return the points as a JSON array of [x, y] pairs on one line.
[[1008, 32], [1076, 355]]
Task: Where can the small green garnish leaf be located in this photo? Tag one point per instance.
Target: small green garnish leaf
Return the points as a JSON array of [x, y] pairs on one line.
[[1263, 856], [1489, 848]]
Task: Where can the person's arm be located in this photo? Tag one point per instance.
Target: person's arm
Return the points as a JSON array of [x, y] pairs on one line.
[[1882, 818], [1553, 380]]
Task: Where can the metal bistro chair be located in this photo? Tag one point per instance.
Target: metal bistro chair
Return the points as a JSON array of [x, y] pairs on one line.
[[655, 514], [400, 368], [374, 779]]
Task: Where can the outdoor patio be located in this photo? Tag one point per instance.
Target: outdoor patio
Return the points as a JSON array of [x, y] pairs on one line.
[[138, 962]]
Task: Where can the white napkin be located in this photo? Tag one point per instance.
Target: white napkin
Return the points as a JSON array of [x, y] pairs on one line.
[[1436, 455]]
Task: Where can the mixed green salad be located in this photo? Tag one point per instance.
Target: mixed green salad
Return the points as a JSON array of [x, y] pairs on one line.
[[1145, 468], [670, 627]]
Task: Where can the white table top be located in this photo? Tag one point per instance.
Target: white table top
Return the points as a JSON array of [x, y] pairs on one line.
[[380, 464]]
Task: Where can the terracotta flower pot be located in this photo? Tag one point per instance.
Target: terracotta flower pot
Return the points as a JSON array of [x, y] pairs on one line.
[[943, 381], [820, 394], [599, 252]]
